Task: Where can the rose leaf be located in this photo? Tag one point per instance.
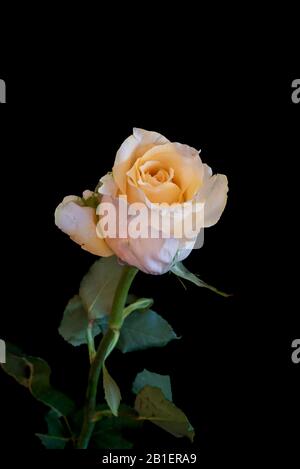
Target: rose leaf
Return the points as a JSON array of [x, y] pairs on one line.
[[143, 330], [34, 374], [98, 287], [147, 378], [111, 391], [73, 327], [152, 405]]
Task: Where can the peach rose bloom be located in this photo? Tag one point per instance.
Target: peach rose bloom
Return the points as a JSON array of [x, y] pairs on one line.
[[151, 170]]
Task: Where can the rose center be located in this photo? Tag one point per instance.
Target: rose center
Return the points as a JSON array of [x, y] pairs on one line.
[[161, 176], [152, 173]]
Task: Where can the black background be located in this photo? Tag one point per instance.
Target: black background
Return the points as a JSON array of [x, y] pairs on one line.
[[231, 372]]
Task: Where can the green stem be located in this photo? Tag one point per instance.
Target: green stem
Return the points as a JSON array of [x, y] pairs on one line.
[[107, 344]]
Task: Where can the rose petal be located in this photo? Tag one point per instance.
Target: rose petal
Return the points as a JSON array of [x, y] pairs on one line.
[[87, 194], [108, 185], [80, 224], [153, 255], [185, 249], [186, 163], [131, 149], [167, 192], [214, 194]]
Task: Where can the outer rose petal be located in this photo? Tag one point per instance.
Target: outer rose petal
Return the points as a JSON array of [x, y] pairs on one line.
[[179, 214], [80, 224], [214, 194], [185, 250], [108, 186], [151, 255], [133, 147]]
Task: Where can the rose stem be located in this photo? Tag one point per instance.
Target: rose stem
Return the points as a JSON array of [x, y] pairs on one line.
[[105, 347]]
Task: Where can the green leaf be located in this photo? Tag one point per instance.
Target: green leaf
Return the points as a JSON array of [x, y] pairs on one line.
[[59, 433], [115, 432], [53, 442], [34, 374], [142, 330], [55, 426], [73, 327], [152, 405], [147, 378], [98, 287], [181, 271], [111, 391]]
